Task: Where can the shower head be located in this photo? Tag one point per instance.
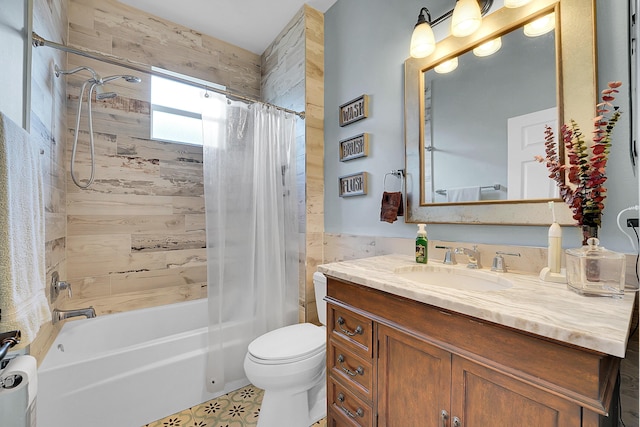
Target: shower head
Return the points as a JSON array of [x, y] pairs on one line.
[[101, 94], [58, 71], [132, 79], [128, 78]]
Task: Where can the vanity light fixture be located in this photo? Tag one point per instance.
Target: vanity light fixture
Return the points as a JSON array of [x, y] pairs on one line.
[[515, 3], [423, 42], [466, 18], [446, 66], [541, 25], [488, 48]]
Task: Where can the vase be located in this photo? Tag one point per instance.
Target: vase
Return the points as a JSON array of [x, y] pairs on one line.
[[594, 270], [588, 231]]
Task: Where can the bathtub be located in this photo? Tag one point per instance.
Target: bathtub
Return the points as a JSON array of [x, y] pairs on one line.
[[131, 368]]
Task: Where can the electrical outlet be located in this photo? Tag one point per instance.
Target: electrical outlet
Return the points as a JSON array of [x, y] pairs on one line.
[[632, 222]]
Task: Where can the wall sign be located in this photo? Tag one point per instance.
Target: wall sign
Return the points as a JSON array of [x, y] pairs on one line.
[[353, 185], [352, 148], [354, 110]]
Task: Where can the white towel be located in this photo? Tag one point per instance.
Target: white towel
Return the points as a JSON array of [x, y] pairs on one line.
[[463, 194], [23, 302]]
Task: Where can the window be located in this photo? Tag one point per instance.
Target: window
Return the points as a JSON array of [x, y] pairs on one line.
[[176, 108]]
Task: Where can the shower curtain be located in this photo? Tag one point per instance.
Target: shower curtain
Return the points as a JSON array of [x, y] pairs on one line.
[[252, 229]]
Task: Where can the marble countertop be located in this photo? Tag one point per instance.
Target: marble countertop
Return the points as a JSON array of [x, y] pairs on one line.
[[532, 305]]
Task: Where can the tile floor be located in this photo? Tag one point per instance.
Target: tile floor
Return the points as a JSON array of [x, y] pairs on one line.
[[239, 408]]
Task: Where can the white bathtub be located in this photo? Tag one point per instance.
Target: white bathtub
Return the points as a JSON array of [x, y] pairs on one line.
[[131, 368]]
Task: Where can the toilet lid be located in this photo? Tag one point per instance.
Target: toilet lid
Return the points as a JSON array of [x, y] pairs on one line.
[[290, 343]]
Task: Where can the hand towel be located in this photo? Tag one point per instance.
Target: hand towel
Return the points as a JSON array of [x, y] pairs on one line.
[[463, 194], [23, 302], [392, 206]]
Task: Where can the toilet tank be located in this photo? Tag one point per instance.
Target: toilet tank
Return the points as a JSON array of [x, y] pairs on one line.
[[320, 287]]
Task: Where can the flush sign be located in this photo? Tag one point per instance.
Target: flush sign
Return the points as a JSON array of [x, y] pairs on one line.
[[353, 185]]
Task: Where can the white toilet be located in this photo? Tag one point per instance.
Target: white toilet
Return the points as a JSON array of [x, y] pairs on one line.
[[289, 365]]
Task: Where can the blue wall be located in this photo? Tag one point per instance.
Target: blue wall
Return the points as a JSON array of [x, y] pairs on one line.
[[366, 44]]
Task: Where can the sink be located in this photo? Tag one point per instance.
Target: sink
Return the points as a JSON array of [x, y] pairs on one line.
[[459, 278]]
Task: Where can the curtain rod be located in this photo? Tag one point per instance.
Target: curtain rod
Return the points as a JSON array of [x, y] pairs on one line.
[[145, 68]]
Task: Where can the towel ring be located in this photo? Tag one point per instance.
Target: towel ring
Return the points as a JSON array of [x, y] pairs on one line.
[[398, 173]]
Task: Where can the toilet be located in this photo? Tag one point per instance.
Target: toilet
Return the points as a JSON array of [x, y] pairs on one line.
[[289, 365]]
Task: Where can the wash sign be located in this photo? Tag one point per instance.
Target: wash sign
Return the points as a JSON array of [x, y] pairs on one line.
[[354, 110]]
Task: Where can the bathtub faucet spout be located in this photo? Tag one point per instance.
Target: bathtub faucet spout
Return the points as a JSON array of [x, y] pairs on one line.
[[59, 315]]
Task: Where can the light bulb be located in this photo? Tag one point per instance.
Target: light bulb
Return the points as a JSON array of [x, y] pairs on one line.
[[423, 42], [466, 18], [515, 3], [488, 48], [446, 66], [540, 26]]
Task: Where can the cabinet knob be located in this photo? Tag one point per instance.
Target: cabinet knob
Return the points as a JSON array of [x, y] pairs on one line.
[[444, 416], [357, 331], [359, 370], [457, 422], [359, 411]]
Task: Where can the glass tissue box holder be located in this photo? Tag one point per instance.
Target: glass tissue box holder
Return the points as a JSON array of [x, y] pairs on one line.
[[594, 270]]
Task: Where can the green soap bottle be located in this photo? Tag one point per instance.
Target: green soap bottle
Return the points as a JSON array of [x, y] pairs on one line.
[[422, 245]]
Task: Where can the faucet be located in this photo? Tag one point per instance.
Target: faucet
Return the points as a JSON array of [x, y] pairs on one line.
[[472, 254], [498, 261], [449, 256], [59, 315]]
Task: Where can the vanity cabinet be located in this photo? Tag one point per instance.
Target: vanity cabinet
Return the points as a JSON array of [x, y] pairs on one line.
[[392, 361]]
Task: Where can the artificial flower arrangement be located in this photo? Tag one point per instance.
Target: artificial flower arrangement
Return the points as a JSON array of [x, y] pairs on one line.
[[583, 190]]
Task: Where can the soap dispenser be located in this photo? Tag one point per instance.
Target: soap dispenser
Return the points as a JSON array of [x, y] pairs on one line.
[[422, 245]]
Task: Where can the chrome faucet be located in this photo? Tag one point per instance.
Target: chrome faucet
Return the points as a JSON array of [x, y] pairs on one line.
[[59, 315], [472, 254], [498, 261], [449, 256]]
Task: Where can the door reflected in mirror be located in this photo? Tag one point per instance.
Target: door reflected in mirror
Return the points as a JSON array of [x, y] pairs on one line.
[[484, 123]]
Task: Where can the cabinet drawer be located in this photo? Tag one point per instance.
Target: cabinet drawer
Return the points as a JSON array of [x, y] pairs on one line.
[[347, 408], [355, 371], [351, 327]]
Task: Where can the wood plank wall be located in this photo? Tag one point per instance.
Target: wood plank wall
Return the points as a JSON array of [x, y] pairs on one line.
[[293, 76], [136, 237]]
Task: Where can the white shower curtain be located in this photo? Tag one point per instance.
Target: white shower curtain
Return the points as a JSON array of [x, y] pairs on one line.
[[252, 229]]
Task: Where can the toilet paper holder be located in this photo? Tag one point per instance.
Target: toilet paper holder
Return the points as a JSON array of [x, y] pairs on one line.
[[8, 340]]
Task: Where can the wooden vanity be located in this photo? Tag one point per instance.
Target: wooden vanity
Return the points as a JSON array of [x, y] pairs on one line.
[[393, 360]]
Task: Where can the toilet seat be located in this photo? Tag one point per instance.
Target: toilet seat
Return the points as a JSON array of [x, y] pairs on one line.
[[288, 344]]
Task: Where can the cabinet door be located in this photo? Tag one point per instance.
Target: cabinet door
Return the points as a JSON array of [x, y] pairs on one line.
[[414, 380], [483, 397]]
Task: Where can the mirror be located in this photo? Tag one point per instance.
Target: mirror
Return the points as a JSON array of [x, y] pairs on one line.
[[483, 152], [475, 116]]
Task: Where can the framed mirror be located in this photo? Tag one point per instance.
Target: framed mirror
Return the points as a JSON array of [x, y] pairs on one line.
[[457, 124]]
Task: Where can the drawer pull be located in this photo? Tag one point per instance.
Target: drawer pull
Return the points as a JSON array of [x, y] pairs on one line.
[[347, 332], [359, 412], [444, 415], [359, 370]]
